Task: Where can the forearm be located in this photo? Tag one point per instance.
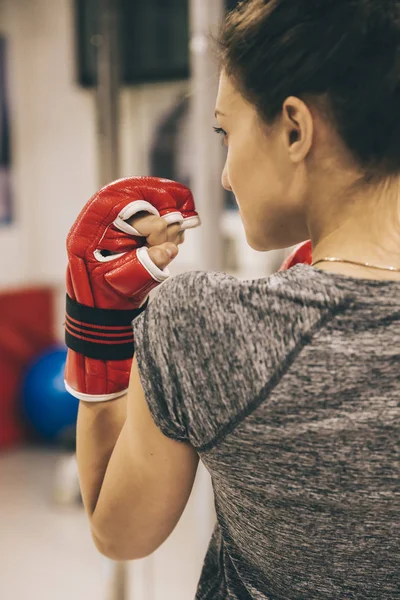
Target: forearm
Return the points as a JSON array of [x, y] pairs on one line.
[[98, 428]]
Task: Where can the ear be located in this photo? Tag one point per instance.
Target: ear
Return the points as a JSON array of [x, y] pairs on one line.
[[299, 126]]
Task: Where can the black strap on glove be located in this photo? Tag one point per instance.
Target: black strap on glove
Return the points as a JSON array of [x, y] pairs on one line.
[[100, 333]]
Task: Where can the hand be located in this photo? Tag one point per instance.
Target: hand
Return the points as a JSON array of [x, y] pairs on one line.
[[159, 237], [117, 254], [109, 262]]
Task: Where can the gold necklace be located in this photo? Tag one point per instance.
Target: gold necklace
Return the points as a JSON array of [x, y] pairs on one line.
[[353, 262]]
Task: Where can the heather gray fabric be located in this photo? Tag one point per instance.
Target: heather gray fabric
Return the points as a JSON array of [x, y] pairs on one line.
[[289, 389]]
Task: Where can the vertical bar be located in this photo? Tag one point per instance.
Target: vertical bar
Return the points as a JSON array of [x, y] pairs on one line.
[[107, 93], [208, 161], [117, 581], [205, 17]]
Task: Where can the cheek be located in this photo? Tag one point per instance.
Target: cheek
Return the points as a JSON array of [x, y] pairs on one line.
[[239, 169], [250, 173]]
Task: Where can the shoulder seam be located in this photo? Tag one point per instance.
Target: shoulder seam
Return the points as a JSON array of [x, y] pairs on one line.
[[305, 339]]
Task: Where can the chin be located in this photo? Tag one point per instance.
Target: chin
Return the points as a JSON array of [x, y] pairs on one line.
[[259, 245], [268, 245], [278, 238]]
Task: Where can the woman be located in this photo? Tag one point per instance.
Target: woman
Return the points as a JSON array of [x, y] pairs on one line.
[[287, 387]]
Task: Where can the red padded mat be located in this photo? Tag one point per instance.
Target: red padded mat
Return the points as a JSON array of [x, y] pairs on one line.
[[26, 329]]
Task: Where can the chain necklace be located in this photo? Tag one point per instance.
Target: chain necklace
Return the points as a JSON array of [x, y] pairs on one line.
[[352, 262]]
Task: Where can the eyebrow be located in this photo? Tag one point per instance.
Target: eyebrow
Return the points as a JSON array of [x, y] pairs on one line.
[[218, 112]]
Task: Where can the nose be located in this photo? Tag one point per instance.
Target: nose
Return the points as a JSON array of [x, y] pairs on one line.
[[225, 180]]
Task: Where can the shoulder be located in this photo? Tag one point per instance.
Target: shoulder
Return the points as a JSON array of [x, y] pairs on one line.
[[194, 287]]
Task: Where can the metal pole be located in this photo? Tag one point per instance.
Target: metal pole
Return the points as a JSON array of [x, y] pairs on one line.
[[208, 159], [208, 162], [107, 96], [117, 581]]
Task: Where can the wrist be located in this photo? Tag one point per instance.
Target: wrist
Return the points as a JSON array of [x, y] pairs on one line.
[[97, 398], [100, 351], [98, 333]]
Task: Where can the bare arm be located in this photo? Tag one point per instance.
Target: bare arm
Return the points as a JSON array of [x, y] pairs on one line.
[[98, 429], [136, 482]]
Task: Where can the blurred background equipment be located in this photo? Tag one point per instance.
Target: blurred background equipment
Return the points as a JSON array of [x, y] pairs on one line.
[[153, 40], [26, 330], [50, 410]]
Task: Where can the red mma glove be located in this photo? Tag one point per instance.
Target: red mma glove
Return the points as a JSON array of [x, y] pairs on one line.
[[302, 254], [109, 277]]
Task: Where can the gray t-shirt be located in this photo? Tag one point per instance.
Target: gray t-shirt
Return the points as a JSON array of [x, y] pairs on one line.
[[288, 387]]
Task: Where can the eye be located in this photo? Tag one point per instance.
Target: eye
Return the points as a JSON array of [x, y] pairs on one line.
[[220, 131]]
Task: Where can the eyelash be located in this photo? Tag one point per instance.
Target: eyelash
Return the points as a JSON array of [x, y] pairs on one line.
[[220, 131]]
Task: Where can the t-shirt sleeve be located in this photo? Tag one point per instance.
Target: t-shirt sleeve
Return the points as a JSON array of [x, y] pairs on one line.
[[162, 334], [211, 348]]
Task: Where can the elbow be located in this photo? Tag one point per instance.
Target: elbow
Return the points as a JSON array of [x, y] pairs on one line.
[[119, 542], [116, 551], [106, 549]]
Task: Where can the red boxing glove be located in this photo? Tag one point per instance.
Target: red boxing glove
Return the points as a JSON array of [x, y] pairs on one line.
[[302, 254], [109, 277]]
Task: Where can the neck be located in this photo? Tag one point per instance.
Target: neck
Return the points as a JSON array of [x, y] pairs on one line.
[[364, 227]]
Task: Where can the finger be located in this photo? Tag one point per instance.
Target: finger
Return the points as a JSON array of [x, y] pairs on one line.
[[147, 226], [173, 233], [177, 239], [142, 221], [160, 256], [153, 228]]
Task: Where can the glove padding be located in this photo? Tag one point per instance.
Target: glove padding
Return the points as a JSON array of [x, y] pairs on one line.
[[302, 254], [109, 277]]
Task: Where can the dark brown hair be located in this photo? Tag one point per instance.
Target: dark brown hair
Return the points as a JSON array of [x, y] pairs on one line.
[[345, 53]]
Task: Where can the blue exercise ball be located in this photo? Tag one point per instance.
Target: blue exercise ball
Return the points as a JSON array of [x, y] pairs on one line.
[[48, 407]]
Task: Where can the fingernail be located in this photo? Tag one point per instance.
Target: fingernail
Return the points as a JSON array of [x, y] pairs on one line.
[[170, 252]]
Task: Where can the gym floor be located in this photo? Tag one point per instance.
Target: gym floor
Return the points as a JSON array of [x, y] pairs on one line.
[[46, 552]]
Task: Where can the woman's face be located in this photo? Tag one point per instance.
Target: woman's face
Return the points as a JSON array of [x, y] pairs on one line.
[[269, 186]]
